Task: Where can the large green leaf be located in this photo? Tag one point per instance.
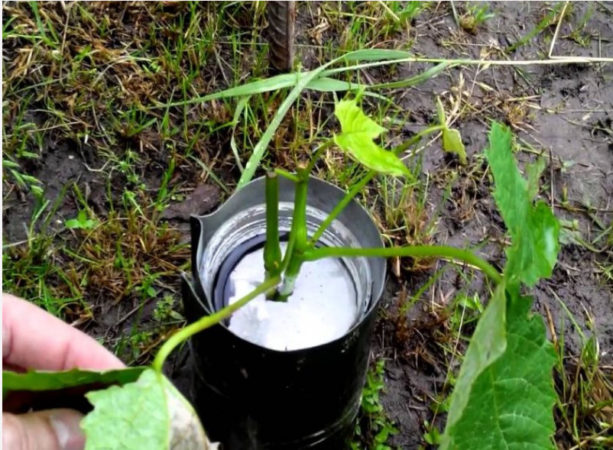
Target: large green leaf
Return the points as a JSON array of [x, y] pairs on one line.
[[487, 344], [356, 138], [533, 228], [149, 413], [35, 381], [504, 394], [509, 404]]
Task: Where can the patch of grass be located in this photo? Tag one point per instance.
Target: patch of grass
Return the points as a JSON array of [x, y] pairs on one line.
[[406, 220], [584, 411], [83, 76], [30, 269], [580, 31], [474, 17], [373, 428], [548, 19], [362, 25], [118, 256]]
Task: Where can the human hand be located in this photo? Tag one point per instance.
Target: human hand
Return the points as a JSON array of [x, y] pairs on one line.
[[34, 339]]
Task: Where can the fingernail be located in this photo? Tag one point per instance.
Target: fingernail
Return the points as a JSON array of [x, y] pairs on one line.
[[67, 430]]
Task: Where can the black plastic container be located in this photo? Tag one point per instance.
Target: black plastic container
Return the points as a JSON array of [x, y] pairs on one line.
[[251, 397]]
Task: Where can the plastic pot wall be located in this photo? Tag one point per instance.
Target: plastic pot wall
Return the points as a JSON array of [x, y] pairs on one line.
[[251, 397]]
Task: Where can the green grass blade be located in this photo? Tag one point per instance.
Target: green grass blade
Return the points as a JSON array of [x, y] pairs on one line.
[[327, 84], [255, 87], [417, 79], [375, 54], [260, 147], [242, 103], [303, 81]]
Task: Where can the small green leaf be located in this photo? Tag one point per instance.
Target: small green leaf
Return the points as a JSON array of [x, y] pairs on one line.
[[452, 142], [81, 222], [534, 229], [149, 413], [356, 138]]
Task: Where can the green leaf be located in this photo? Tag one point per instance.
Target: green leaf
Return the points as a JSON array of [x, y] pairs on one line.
[[356, 138], [452, 142], [149, 413], [510, 403], [36, 381], [486, 345], [353, 120], [533, 228], [81, 221]]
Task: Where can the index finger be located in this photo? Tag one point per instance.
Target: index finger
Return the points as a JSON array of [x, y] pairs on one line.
[[34, 339]]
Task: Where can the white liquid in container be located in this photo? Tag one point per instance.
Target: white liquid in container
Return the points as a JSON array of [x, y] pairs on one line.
[[322, 308]]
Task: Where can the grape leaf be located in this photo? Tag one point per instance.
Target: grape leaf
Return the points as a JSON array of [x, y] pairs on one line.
[[510, 402], [356, 138], [533, 228], [148, 413]]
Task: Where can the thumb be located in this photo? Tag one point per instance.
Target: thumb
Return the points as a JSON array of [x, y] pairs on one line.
[[54, 429]]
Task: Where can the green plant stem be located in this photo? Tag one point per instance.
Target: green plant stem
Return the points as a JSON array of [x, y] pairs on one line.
[[340, 206], [299, 233], [417, 251], [285, 174], [207, 321], [272, 246], [415, 139], [360, 184]]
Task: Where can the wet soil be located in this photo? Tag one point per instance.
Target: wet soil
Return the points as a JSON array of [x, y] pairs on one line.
[[567, 120], [562, 113]]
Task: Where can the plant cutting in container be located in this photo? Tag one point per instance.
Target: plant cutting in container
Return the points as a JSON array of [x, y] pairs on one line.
[[293, 243]]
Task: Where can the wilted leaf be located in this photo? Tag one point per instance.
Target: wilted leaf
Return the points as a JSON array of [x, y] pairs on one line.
[[534, 229], [356, 138], [149, 413]]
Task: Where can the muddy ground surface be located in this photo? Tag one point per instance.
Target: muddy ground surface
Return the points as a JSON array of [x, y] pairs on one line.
[[562, 113], [566, 118]]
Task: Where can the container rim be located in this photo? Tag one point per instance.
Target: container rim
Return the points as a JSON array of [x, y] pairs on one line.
[[201, 228]]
